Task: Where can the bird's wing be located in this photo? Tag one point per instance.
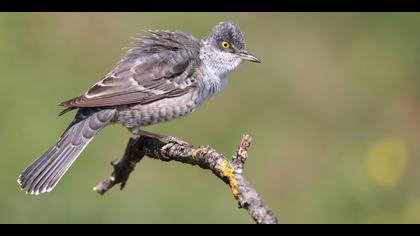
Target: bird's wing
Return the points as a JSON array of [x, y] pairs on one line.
[[159, 66]]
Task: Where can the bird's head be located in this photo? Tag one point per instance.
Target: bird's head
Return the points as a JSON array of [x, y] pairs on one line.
[[226, 47]]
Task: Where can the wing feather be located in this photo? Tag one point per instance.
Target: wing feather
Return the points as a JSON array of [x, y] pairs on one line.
[[160, 65]]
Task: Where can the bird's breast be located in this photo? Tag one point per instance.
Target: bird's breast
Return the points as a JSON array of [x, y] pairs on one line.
[[159, 111]]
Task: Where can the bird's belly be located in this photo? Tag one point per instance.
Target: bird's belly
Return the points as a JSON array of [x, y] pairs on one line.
[[167, 109]]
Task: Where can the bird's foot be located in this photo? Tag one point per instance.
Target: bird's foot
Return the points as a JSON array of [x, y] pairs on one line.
[[172, 139]]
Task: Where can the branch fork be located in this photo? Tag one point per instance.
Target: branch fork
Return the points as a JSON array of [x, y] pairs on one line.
[[166, 148]]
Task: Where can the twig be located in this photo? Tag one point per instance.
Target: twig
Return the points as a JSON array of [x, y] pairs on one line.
[[173, 149]]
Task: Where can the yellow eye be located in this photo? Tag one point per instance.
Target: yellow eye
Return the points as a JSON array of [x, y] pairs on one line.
[[225, 44]]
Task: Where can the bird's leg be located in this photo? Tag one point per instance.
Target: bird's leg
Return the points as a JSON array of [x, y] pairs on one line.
[[147, 134], [161, 137]]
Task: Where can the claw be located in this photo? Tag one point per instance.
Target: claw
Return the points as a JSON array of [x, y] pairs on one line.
[[171, 139]]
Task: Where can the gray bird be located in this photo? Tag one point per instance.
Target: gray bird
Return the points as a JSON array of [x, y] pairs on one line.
[[165, 75]]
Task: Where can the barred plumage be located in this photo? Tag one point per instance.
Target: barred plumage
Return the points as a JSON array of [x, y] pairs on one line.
[[165, 75]]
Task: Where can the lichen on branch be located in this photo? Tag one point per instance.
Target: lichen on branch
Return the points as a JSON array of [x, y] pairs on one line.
[[166, 148]]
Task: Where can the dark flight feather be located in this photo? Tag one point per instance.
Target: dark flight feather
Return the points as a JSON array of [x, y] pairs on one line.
[[45, 172]]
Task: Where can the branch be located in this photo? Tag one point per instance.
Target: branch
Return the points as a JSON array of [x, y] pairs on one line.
[[172, 149]]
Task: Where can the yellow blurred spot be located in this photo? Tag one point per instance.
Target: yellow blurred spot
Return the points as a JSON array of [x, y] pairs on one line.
[[386, 161], [411, 214], [227, 171]]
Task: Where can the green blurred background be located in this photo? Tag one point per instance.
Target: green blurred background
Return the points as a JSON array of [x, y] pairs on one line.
[[333, 110]]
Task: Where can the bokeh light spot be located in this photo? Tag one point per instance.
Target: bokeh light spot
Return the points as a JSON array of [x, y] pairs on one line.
[[386, 161]]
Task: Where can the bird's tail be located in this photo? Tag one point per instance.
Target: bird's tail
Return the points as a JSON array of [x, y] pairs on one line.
[[45, 172]]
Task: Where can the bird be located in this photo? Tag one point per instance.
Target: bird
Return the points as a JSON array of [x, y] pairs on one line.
[[164, 75]]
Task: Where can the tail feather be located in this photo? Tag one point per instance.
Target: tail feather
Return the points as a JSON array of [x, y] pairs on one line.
[[45, 172]]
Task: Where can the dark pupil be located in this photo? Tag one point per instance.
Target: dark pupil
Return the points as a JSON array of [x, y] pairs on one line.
[[225, 45]]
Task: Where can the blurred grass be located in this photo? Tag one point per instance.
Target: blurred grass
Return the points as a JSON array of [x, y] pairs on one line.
[[332, 91]]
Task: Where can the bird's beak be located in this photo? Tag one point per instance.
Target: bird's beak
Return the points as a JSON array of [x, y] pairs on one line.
[[247, 56]]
